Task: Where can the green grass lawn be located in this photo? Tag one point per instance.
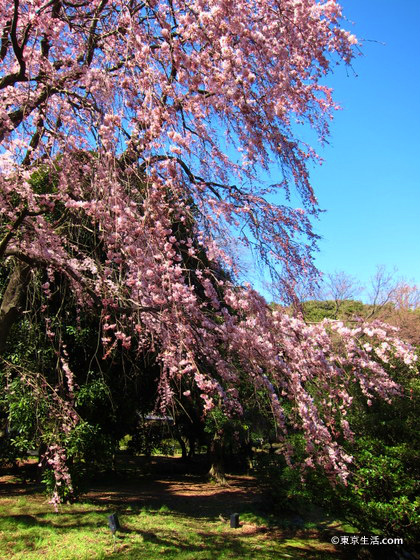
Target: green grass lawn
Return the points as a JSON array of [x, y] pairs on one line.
[[167, 513], [30, 530]]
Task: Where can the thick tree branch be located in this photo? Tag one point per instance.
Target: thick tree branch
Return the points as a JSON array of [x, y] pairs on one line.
[[13, 298], [5, 40], [67, 271], [17, 116], [19, 76], [15, 226], [33, 144], [92, 40]]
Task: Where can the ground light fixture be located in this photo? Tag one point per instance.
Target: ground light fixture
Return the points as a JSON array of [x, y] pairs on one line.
[[234, 520], [114, 525]]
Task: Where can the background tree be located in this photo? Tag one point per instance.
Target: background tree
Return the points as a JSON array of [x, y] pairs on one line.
[[338, 287], [396, 301], [389, 298]]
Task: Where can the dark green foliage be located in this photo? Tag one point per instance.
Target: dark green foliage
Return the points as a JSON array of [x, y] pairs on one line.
[[88, 452], [382, 495], [107, 393], [283, 485], [25, 413], [315, 311], [383, 492], [44, 180], [384, 489], [151, 437]]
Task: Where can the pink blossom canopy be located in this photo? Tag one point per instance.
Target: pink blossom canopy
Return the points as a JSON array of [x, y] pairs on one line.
[[153, 120]]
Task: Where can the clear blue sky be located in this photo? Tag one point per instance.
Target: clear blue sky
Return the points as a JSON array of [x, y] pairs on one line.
[[370, 181], [369, 184]]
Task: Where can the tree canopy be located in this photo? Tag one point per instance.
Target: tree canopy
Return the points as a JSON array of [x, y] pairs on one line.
[[132, 134]]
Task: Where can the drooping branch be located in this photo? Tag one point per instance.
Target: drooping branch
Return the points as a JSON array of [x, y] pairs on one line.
[[17, 116]]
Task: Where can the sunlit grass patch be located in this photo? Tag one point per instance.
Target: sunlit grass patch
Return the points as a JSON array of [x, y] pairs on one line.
[[30, 530]]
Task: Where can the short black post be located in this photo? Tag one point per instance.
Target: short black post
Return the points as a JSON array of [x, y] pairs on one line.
[[234, 520], [113, 523]]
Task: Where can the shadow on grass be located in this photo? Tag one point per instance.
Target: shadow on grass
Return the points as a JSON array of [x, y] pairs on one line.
[[221, 546], [263, 542], [175, 494], [18, 488], [187, 495], [69, 521]]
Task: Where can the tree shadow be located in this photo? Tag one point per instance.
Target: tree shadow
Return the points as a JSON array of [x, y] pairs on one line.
[[68, 521], [215, 546], [10, 488], [187, 495]]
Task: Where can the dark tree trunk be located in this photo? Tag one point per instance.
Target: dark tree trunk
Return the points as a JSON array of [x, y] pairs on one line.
[[13, 300], [184, 453], [217, 469], [191, 450], [178, 436]]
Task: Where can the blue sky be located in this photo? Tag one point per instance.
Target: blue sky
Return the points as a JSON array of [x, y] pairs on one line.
[[369, 183]]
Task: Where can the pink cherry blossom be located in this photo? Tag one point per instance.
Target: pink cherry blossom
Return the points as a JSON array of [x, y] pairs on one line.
[[152, 121]]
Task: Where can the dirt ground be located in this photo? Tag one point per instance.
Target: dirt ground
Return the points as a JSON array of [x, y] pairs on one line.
[[184, 488], [160, 481]]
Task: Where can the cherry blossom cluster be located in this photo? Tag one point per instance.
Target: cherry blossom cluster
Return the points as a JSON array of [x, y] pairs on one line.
[[56, 459], [159, 81]]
